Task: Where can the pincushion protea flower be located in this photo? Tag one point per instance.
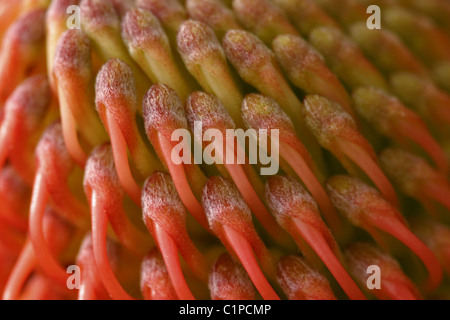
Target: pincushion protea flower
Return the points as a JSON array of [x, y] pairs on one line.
[[88, 177]]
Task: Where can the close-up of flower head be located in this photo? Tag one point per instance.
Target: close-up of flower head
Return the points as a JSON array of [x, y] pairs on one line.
[[225, 150]]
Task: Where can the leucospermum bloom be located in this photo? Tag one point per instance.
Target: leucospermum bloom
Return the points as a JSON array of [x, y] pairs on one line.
[[333, 183]]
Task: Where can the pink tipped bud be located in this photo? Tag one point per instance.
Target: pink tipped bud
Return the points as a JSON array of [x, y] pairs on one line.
[[52, 155], [228, 280], [408, 171], [155, 281], [224, 206], [197, 42], [142, 30], [214, 13], [246, 52], [328, 121], [288, 199], [301, 281], [27, 31], [115, 91], [14, 191], [163, 112], [162, 205], [362, 255], [73, 57], [354, 199], [100, 175], [170, 12], [262, 18], [262, 112], [96, 15], [210, 111], [29, 103]]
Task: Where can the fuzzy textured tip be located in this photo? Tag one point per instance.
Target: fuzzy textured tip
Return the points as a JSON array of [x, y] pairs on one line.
[[394, 285], [246, 52], [307, 70], [210, 111], [262, 18], [98, 15], [30, 102], [328, 121], [228, 280], [288, 199], [395, 56], [306, 15], [171, 13], [142, 30], [101, 175], [365, 208], [424, 97], [346, 59], [355, 199], [408, 171], [155, 280], [73, 58], [214, 13], [262, 112], [52, 155], [163, 112], [224, 206], [197, 42], [392, 119], [162, 205], [301, 281]]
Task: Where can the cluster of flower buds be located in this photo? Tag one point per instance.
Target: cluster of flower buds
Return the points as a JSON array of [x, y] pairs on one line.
[[224, 150]]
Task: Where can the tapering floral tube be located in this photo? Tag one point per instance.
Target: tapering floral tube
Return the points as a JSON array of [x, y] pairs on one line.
[[73, 76], [306, 15], [416, 178], [307, 70], [257, 66], [296, 211], [117, 102], [263, 19], [149, 46], [301, 281], [263, 113], [365, 208], [392, 119], [55, 24], [163, 114], [214, 13], [171, 13], [155, 279], [393, 285], [205, 59], [165, 217], [430, 102], [24, 119], [336, 131], [228, 280], [105, 195], [231, 220], [101, 23], [345, 59], [394, 57], [345, 11], [207, 110]]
